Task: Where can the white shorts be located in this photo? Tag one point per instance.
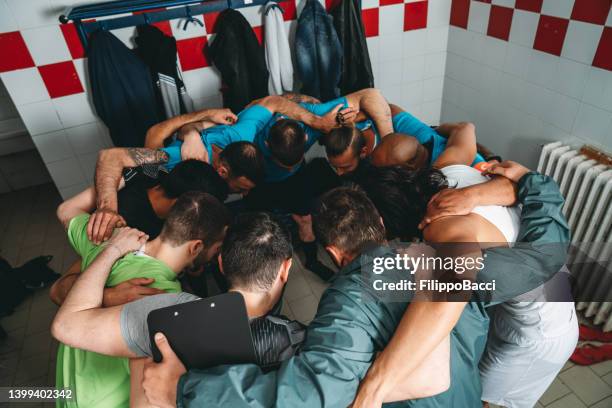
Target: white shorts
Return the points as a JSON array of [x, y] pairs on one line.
[[516, 376]]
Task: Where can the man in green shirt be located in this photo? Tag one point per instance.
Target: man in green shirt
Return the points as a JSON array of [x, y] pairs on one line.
[[352, 325], [191, 235]]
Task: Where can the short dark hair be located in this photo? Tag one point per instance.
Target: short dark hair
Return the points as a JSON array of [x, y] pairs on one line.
[[195, 216], [287, 142], [338, 140], [346, 218], [244, 159], [193, 175], [254, 248], [401, 195]]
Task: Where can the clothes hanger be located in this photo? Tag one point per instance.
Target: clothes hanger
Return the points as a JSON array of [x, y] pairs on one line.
[[191, 19]]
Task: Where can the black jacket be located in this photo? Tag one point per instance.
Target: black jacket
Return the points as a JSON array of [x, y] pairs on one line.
[[122, 89], [237, 54], [356, 67]]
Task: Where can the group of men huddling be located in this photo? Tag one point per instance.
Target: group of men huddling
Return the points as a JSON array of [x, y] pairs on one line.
[[159, 215]]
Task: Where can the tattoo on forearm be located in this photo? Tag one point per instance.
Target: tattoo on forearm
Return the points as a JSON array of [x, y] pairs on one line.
[[147, 156], [298, 98]]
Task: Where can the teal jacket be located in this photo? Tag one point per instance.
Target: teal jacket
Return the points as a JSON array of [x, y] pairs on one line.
[[352, 325]]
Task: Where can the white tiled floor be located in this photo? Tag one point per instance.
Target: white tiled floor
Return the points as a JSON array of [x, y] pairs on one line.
[[28, 228]]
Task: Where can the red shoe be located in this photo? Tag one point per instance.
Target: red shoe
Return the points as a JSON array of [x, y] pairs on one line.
[[590, 334], [590, 354]]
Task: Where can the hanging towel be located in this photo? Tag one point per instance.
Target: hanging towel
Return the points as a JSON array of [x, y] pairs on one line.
[[356, 67], [277, 51], [236, 53], [318, 52], [122, 89], [158, 51]]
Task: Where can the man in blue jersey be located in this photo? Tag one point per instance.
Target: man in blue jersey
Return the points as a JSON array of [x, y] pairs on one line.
[[414, 143]]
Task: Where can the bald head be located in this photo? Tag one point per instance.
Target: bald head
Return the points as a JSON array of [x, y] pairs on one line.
[[399, 149]]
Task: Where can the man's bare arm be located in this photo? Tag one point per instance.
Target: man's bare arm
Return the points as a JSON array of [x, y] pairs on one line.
[[430, 378], [424, 326], [158, 133], [461, 145], [373, 103], [461, 201], [81, 321], [83, 202], [284, 106], [298, 98], [109, 168]]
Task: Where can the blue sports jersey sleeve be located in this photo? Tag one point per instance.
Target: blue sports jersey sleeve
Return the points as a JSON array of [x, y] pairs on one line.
[[405, 123], [251, 121], [174, 154]]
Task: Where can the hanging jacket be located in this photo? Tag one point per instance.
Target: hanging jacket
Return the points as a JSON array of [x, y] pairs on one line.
[[237, 54], [318, 52], [158, 51], [277, 51], [356, 67], [122, 90]]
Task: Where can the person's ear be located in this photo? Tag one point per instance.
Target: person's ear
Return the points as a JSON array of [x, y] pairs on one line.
[[283, 274], [363, 153], [195, 247], [223, 171], [336, 254], [220, 261]]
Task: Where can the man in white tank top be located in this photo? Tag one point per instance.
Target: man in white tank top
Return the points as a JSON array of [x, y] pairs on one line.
[[530, 340], [523, 358]]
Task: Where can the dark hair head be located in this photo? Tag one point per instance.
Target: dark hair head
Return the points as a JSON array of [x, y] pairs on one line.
[[338, 140], [287, 141], [347, 219], [401, 195], [253, 250], [244, 160], [193, 175], [195, 216]]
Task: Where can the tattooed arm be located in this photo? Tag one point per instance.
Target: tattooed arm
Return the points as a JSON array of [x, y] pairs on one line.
[[297, 98], [109, 169]]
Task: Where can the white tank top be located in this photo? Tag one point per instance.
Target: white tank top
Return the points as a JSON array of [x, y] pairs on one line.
[[518, 321], [506, 219]]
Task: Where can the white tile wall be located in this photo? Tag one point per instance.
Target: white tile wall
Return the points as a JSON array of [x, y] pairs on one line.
[[40, 117], [25, 85], [53, 146], [558, 8], [479, 17], [518, 96], [581, 41], [46, 44], [524, 27], [391, 20]]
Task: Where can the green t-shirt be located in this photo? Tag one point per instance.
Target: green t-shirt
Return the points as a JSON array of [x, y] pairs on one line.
[[96, 380]]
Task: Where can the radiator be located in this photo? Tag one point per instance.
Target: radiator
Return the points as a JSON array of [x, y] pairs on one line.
[[586, 185]]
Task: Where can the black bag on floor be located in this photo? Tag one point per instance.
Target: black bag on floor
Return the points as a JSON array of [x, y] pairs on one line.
[[17, 283]]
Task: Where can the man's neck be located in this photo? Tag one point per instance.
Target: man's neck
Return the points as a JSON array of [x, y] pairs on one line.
[[257, 303], [167, 254]]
